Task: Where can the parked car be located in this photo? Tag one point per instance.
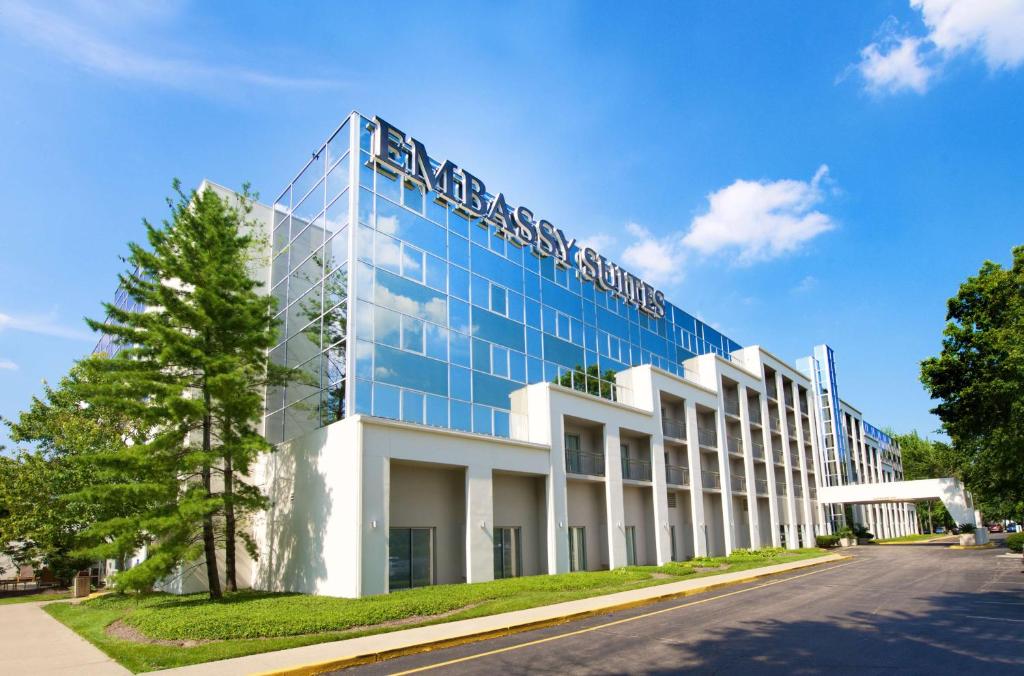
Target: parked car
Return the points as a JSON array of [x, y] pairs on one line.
[[1011, 528], [940, 530], [995, 528], [955, 530]]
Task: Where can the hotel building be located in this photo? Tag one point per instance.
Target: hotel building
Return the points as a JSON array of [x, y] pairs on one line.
[[484, 399]]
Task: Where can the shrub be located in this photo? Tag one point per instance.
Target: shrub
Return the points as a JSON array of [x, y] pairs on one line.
[[967, 528], [827, 541], [845, 532], [1015, 542], [862, 532]]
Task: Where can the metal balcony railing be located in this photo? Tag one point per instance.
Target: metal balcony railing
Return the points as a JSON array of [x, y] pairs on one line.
[[781, 488], [761, 486], [774, 424], [798, 490], [732, 407], [677, 475], [635, 469], [755, 414], [814, 493], [735, 445], [778, 457], [676, 429], [584, 462], [738, 483], [710, 479], [706, 436], [757, 450]]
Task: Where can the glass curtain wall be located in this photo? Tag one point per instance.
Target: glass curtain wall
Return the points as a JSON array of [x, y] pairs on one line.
[[448, 318]]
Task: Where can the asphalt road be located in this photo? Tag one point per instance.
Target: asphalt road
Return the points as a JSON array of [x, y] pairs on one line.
[[921, 609]]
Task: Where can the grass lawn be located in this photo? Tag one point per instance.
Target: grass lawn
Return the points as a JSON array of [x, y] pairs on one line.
[[183, 630], [915, 538], [32, 598]]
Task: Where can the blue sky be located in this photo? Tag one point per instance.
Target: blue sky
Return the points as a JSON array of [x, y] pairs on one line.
[[793, 174]]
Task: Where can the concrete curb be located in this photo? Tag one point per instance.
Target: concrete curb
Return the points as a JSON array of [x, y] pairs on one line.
[[989, 545], [515, 628], [915, 542]]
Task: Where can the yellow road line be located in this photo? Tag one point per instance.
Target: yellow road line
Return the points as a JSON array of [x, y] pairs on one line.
[[438, 665]]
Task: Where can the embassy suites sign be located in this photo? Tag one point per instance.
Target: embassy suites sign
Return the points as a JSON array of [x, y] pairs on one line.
[[396, 152]]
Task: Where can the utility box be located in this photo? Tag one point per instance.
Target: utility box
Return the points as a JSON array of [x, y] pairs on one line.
[[82, 585]]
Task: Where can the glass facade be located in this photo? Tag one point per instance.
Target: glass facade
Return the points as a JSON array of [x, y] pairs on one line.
[[448, 318]]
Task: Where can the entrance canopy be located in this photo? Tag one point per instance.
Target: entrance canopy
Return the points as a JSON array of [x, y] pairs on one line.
[[957, 500]]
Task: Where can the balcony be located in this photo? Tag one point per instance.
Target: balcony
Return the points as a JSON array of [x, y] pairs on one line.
[[774, 425], [814, 493], [798, 491], [675, 429], [710, 479], [794, 459], [761, 485], [584, 462], [781, 488], [738, 483], [706, 436], [757, 450], [636, 470], [677, 475], [732, 408], [755, 415], [735, 445], [778, 457]]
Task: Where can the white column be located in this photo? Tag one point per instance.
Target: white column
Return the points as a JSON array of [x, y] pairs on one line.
[[805, 500], [791, 535], [724, 474], [700, 542], [748, 469], [479, 524], [769, 456], [613, 498], [557, 499], [663, 536]]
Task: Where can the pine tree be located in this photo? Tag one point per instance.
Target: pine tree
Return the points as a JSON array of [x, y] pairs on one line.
[[192, 368]]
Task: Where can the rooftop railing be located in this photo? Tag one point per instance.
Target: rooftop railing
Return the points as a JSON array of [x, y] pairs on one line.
[[587, 383]]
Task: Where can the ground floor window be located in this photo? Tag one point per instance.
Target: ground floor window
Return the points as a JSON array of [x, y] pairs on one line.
[[410, 558], [508, 552], [577, 548], [672, 538], [630, 545]]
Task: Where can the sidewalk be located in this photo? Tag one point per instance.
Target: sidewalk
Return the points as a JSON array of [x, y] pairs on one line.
[[34, 644], [325, 656]]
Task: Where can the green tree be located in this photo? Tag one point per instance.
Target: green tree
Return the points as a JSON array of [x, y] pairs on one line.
[[192, 369], [978, 380], [46, 488], [926, 459]]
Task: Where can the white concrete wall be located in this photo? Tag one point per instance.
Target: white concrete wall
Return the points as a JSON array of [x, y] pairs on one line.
[[519, 500]]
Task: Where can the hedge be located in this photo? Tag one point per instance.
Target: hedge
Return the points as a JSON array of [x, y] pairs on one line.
[[1015, 542], [826, 541]]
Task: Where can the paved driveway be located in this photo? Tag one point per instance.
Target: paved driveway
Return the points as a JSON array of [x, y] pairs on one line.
[[921, 609]]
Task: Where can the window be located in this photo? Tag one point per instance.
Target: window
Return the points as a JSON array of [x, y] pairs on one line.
[[630, 545], [577, 548], [499, 300], [672, 538], [410, 558], [508, 557]]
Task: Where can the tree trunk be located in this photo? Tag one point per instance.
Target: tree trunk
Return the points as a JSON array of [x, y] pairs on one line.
[[229, 526], [931, 528], [209, 542]]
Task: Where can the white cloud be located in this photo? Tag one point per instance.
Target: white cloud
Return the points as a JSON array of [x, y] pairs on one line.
[[44, 325], [761, 219], [895, 65], [656, 260], [79, 40], [599, 242], [807, 284], [8, 365], [992, 28]]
